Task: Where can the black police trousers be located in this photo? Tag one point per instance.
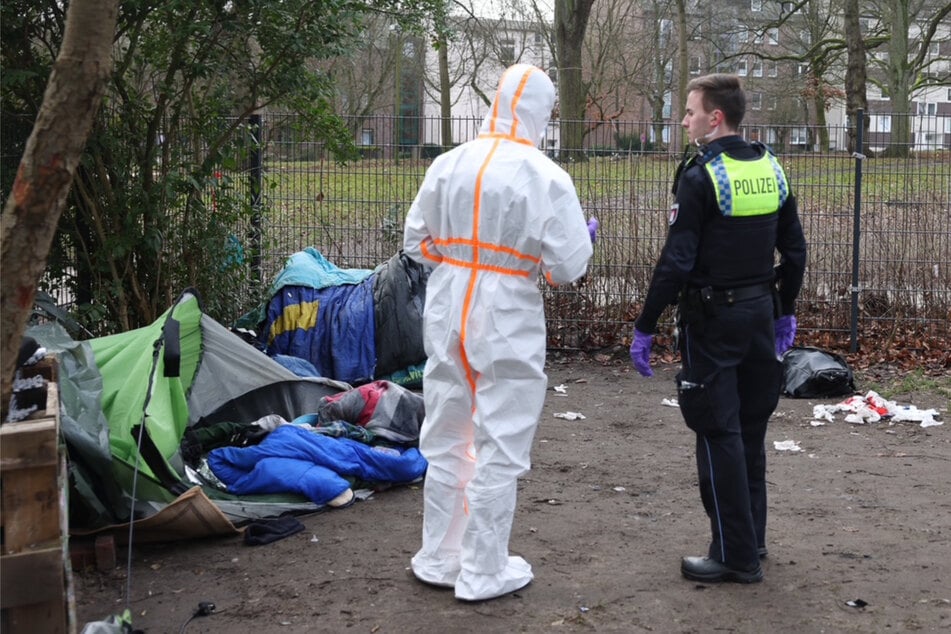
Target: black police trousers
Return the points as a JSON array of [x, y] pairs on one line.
[[728, 387]]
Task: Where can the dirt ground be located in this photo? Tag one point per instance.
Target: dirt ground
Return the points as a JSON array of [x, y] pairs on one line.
[[859, 536]]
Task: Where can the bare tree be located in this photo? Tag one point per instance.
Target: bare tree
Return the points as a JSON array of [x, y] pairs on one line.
[[571, 22], [49, 162], [614, 62], [910, 66]]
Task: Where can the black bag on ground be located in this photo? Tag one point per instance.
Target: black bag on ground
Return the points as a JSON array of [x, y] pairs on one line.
[[812, 373]]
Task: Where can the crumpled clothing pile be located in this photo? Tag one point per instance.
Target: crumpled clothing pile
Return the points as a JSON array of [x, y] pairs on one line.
[[872, 408]]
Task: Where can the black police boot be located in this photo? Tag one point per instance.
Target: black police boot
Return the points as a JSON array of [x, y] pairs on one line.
[[712, 571]]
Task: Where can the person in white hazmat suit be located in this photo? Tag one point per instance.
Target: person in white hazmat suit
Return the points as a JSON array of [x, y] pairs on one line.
[[489, 215]]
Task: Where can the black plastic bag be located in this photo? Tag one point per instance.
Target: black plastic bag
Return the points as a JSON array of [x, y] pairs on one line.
[[814, 373]]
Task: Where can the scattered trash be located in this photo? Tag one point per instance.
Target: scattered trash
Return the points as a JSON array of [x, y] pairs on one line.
[[787, 445], [570, 415], [619, 489], [670, 402], [561, 389], [817, 423], [856, 603], [582, 609], [872, 408]]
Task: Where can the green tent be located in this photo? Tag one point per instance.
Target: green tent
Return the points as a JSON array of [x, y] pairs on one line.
[[128, 399]]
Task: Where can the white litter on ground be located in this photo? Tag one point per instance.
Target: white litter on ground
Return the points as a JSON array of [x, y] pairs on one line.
[[570, 415], [786, 445], [670, 402], [872, 408]]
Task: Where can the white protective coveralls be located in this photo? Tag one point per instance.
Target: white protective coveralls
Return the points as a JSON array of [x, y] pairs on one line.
[[489, 216]]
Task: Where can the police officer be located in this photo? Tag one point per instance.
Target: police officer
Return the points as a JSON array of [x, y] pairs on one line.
[[734, 210]]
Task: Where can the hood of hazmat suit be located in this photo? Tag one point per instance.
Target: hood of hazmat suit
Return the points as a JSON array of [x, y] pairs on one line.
[[490, 217]]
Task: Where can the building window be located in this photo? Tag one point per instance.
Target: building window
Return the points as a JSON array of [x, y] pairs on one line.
[[772, 36], [694, 65], [366, 136], [743, 35], [756, 5], [790, 7], [696, 33], [754, 134], [806, 37], [741, 68], [538, 37], [802, 70], [797, 136], [771, 102], [666, 27], [667, 107], [757, 68], [949, 96], [758, 37], [880, 123], [773, 69], [756, 101], [507, 52], [927, 109]]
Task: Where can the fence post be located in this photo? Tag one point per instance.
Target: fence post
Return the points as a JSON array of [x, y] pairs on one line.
[[856, 227], [256, 182]]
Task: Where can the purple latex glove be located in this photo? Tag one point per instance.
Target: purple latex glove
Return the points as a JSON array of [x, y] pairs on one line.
[[785, 328], [593, 225], [641, 353]]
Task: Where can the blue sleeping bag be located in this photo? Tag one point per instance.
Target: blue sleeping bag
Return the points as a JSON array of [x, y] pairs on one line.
[[292, 459]]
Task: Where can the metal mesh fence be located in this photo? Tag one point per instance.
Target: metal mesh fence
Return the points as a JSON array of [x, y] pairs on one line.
[[354, 215]]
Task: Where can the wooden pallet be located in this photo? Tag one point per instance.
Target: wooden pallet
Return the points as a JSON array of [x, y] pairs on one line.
[[36, 590]]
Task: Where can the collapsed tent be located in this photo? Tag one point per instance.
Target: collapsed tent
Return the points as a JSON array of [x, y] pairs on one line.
[[132, 404], [353, 325]]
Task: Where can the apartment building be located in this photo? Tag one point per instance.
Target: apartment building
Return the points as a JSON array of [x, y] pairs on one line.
[[795, 86]]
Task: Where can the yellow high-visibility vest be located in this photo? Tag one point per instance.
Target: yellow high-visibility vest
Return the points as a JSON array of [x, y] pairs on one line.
[[748, 188]]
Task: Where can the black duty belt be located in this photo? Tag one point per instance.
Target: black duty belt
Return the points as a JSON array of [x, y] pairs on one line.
[[728, 296]]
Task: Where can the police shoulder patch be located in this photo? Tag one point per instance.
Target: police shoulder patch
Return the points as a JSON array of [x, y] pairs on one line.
[[672, 215]]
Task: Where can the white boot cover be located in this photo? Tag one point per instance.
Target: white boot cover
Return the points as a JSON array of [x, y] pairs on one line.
[[487, 569], [444, 520], [475, 587]]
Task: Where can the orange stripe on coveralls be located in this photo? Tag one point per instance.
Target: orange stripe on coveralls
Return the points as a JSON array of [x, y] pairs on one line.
[[515, 98], [488, 246], [507, 137], [518, 95], [474, 274]]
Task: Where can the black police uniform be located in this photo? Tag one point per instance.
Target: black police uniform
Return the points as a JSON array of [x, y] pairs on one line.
[[721, 270]]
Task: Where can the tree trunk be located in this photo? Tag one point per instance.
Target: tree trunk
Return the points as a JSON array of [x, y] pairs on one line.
[[900, 79], [682, 56], [855, 76], [571, 21], [445, 98], [822, 131], [48, 164]]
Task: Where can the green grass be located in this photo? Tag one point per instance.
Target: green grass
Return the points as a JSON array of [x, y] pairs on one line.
[[911, 382]]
